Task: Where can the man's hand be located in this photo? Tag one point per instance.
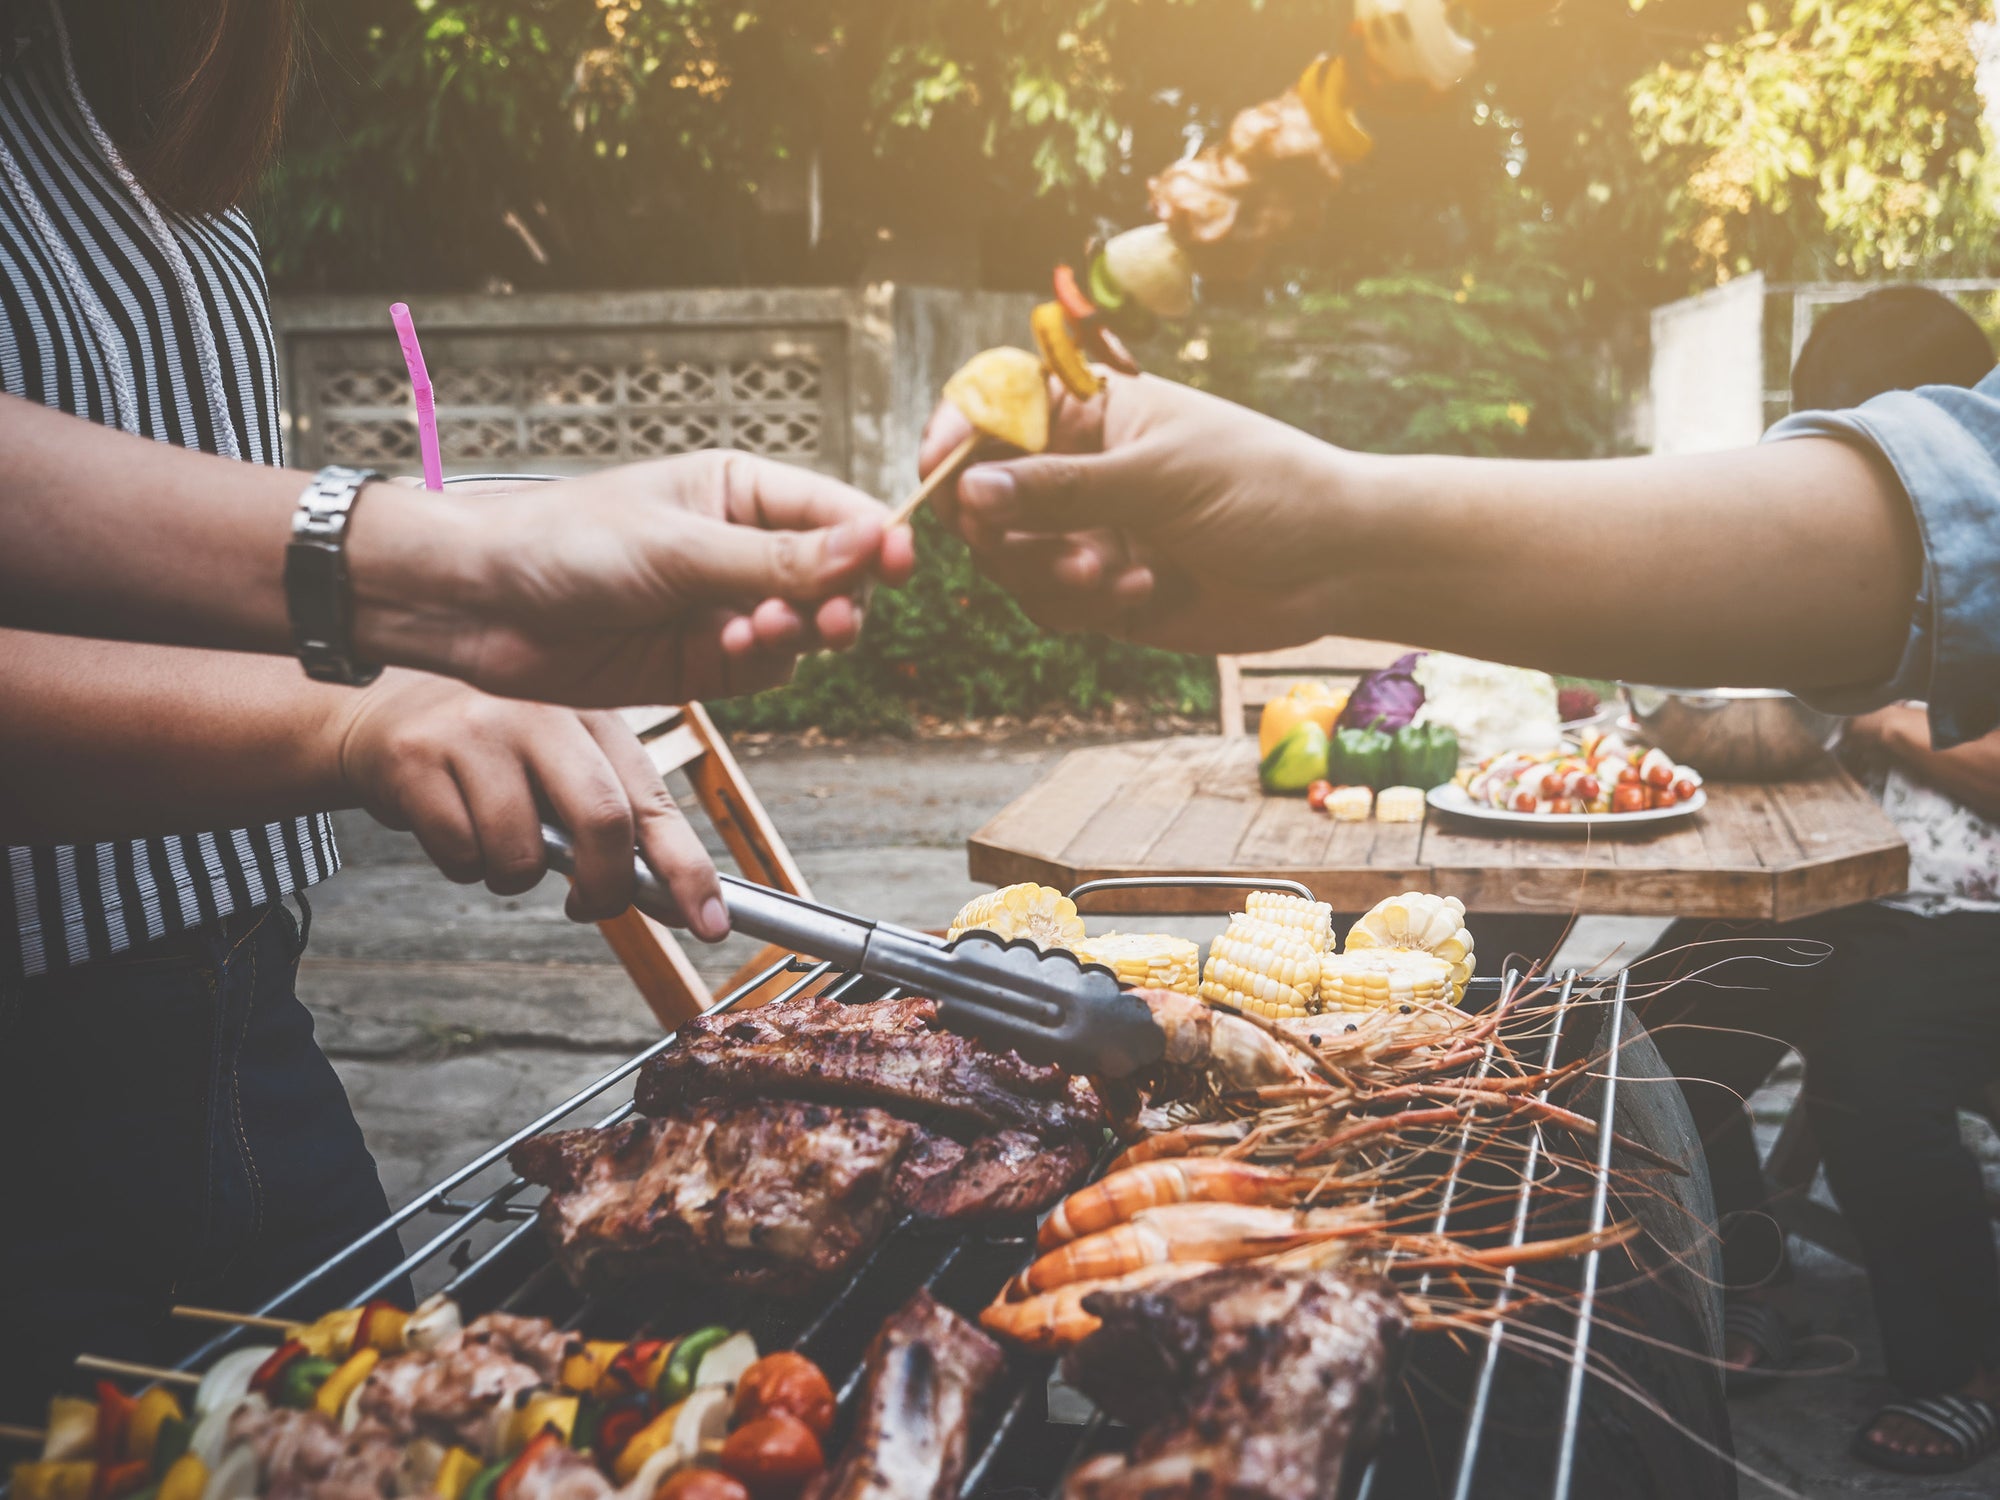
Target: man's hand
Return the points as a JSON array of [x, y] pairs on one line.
[[469, 775], [700, 576], [1160, 514]]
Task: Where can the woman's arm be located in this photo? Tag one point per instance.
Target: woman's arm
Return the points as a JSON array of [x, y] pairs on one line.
[[686, 577], [109, 740], [1970, 773]]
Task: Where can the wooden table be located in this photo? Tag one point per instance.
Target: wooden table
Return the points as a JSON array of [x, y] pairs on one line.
[[1192, 807]]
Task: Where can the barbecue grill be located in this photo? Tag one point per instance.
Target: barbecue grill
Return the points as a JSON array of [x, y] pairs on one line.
[[1516, 1411]]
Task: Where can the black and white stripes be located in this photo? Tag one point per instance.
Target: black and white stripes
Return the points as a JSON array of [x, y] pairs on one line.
[[160, 325]]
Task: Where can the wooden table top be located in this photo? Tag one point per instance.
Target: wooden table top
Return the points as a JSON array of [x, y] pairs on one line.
[[1192, 806]]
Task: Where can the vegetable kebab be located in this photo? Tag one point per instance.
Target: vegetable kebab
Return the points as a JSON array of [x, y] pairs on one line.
[[372, 1403]]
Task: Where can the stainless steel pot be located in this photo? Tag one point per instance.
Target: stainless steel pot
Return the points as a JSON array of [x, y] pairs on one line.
[[1733, 734]]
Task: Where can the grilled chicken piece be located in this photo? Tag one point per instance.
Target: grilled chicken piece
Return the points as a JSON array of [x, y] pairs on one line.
[[777, 1195], [457, 1392], [887, 1053], [302, 1456], [929, 1375], [1251, 1382]]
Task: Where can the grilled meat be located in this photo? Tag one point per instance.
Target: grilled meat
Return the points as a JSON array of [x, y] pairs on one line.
[[561, 1473], [1008, 1172], [888, 1053], [302, 1456], [929, 1375], [1249, 1382], [456, 1392], [765, 1195]]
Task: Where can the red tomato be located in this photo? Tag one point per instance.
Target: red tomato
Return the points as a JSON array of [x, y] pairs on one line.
[[1562, 805], [1684, 789], [1630, 777], [701, 1484], [773, 1456], [1589, 788], [1662, 796], [1524, 802], [785, 1383], [1628, 798], [1316, 795]]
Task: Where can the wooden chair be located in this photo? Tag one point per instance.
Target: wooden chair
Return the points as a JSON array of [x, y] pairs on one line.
[[686, 739], [1247, 683]]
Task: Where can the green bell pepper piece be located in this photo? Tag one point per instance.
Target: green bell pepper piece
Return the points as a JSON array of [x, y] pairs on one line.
[[1424, 756], [1360, 757], [684, 1363], [170, 1444], [301, 1379], [482, 1483]]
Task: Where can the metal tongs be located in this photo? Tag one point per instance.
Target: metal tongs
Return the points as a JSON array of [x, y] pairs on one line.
[[1048, 1006]]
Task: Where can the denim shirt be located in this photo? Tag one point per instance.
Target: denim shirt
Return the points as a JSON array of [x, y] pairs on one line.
[[1944, 444]]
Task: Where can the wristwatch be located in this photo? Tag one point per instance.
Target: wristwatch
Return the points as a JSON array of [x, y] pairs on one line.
[[317, 597]]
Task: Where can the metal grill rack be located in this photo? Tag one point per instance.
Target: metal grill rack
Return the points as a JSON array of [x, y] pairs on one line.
[[488, 1253]]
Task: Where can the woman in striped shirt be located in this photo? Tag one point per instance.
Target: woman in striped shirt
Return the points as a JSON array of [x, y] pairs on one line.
[[172, 1130]]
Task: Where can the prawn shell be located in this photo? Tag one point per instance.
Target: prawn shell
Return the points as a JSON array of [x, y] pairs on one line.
[[1117, 1196]]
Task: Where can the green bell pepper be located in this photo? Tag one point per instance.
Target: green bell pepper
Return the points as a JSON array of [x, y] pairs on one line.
[[1424, 756], [684, 1363], [1360, 757]]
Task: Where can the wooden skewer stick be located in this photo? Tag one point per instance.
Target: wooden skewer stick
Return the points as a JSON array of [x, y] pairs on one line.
[[245, 1320], [105, 1366], [947, 472], [9, 1433]]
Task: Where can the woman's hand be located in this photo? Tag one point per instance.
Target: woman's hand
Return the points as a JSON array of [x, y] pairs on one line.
[[1160, 514], [700, 576], [469, 774]]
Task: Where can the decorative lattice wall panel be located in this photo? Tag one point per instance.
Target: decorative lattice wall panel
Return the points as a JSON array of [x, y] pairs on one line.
[[552, 401]]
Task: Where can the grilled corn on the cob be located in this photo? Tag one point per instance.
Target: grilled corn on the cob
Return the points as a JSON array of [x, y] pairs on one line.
[[1421, 923], [1359, 980], [1312, 920], [1261, 967], [1026, 910], [1146, 960]]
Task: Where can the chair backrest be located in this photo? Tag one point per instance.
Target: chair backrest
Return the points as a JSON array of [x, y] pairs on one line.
[[686, 739], [1247, 683]]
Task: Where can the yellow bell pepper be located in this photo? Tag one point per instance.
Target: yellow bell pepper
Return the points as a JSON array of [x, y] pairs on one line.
[[185, 1480], [331, 1398], [1303, 701], [332, 1337], [582, 1370], [455, 1473], [67, 1479], [1061, 352], [142, 1436], [644, 1443], [381, 1327], [543, 1411]]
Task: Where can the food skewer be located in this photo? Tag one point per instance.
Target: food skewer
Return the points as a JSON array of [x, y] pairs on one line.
[[955, 463], [240, 1319], [12, 1433], [1004, 394], [100, 1365]]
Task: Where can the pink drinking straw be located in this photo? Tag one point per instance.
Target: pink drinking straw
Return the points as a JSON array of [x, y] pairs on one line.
[[420, 384]]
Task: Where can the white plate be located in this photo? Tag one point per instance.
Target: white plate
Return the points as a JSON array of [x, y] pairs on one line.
[[1451, 798]]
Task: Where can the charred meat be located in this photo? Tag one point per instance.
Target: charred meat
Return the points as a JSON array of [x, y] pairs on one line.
[[456, 1392], [888, 1053], [1252, 1382], [302, 1456], [930, 1373], [755, 1194]]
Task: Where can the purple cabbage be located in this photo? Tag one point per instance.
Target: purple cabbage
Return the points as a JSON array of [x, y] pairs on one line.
[[1387, 699]]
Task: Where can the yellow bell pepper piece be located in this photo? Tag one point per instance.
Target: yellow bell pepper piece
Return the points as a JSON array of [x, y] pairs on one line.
[[143, 1435], [67, 1479], [332, 1337], [1322, 88], [455, 1473], [583, 1370], [644, 1443], [331, 1398], [543, 1411], [1061, 352], [185, 1479], [382, 1328]]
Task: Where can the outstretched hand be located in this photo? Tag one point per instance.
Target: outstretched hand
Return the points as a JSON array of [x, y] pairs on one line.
[[1159, 514], [705, 575]]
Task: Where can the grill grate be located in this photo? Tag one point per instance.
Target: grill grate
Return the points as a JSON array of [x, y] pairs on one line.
[[490, 1254]]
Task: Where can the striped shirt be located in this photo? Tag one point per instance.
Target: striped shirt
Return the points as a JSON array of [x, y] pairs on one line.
[[116, 311]]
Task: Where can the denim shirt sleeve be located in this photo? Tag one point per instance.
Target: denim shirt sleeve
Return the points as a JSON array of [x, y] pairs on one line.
[[1943, 443]]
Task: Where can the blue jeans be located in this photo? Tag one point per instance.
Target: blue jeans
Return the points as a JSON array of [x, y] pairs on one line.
[[169, 1132]]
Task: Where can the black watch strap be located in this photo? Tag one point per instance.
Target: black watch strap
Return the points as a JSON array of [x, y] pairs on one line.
[[317, 596]]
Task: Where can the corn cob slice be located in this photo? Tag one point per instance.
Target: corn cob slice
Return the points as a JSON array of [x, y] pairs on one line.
[[1374, 977], [1260, 967], [1146, 960], [1349, 804], [1421, 923], [1312, 920], [1399, 804], [1026, 910]]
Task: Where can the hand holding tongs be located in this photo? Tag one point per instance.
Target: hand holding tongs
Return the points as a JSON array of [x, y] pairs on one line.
[[1048, 1006]]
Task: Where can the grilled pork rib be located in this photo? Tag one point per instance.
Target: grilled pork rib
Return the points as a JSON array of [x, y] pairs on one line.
[[756, 1195], [887, 1053], [1250, 1382], [929, 1375]]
